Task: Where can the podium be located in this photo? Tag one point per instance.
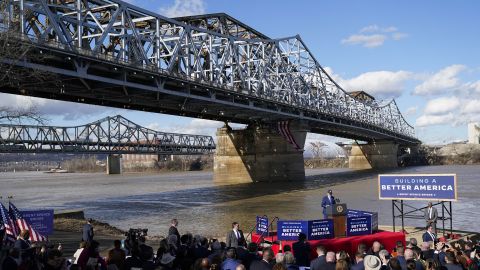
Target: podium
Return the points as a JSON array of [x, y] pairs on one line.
[[338, 212]]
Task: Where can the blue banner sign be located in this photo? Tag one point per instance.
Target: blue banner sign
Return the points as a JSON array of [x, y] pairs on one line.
[[441, 187], [290, 229], [320, 229], [359, 225], [40, 220], [262, 225]]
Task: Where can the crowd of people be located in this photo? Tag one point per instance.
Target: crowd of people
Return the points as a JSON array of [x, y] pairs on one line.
[[193, 252]]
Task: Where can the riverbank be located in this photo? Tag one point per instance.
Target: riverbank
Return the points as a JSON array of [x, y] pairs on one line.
[[68, 231]]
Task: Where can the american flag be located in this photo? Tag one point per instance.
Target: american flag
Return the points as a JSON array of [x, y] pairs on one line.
[[8, 225], [22, 224], [284, 129]]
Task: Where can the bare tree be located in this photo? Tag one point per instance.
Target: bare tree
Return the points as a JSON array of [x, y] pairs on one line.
[[31, 114], [317, 149]]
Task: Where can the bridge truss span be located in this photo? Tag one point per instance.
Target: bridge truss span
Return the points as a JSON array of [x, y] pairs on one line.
[[110, 135], [208, 66]]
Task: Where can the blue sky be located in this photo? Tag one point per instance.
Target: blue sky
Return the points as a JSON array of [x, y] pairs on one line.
[[423, 53]]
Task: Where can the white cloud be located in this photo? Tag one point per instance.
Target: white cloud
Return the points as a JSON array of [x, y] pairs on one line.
[[399, 36], [368, 41], [442, 105], [431, 120], [373, 36], [47, 107], [440, 82], [184, 8], [472, 106], [411, 111], [376, 28], [381, 84]]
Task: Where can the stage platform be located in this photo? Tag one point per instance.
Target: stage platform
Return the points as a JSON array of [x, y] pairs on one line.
[[349, 244]]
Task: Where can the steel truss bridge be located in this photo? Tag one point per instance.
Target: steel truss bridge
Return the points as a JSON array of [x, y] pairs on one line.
[[111, 53], [110, 135]]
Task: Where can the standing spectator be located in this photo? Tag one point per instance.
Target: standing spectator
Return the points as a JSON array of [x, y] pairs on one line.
[[411, 255], [290, 261], [174, 231], [90, 256], [56, 261], [440, 253], [79, 251], [87, 233], [280, 258], [362, 248], [372, 262], [301, 250], [235, 237], [359, 265], [411, 264], [376, 247], [427, 252], [401, 258], [12, 260], [116, 255], [230, 262], [265, 263], [251, 256], [330, 258], [431, 216], [429, 235], [384, 258], [23, 245], [320, 262], [394, 264], [341, 265], [451, 263]]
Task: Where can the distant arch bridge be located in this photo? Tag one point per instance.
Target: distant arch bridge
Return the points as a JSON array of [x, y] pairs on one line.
[[110, 135]]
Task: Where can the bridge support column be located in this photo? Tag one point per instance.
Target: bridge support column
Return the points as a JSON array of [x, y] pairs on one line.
[[373, 155], [258, 154], [114, 164]]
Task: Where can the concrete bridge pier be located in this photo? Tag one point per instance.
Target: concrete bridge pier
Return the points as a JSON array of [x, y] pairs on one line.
[[380, 154], [114, 164], [258, 154]]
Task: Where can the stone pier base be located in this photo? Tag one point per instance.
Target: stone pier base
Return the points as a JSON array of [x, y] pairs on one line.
[[114, 164], [258, 154], [373, 155]]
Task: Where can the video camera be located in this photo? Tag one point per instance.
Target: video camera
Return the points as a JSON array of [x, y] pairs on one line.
[[133, 236]]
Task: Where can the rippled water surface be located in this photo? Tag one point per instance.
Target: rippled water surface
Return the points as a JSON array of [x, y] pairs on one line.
[[137, 200]]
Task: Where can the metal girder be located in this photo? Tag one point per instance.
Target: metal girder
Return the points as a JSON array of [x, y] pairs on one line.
[[212, 51], [106, 136]]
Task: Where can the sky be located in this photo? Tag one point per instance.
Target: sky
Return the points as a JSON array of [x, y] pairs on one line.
[[425, 54]]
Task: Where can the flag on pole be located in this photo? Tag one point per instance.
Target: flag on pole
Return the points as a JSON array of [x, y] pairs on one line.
[[8, 225], [284, 130], [22, 224]]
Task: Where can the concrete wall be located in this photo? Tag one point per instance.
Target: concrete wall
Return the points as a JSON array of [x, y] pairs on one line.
[[374, 155], [258, 154]]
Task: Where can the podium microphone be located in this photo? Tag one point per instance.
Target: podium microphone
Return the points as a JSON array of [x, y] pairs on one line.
[[337, 200]]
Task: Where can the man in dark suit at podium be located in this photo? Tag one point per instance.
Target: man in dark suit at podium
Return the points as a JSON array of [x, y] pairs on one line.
[[327, 200]]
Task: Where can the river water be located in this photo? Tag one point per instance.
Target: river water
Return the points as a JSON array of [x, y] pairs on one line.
[[203, 207]]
